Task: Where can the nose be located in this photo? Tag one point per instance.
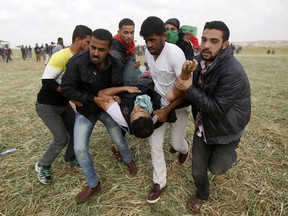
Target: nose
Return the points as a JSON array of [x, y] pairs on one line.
[[137, 108], [95, 52], [130, 35], [148, 44]]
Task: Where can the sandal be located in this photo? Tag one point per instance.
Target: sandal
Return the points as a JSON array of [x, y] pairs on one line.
[[116, 153], [194, 205]]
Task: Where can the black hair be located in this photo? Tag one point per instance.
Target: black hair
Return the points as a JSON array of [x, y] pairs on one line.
[[81, 31], [126, 21], [142, 127], [173, 21], [219, 25], [103, 34], [152, 25], [60, 39]]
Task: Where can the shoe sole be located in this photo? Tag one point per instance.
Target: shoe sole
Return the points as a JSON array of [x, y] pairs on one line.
[[153, 201]]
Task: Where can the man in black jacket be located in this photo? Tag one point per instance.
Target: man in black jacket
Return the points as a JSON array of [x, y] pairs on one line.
[[221, 104], [86, 74]]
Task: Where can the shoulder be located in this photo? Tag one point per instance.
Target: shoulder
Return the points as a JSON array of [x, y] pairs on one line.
[[173, 52], [172, 49], [115, 62]]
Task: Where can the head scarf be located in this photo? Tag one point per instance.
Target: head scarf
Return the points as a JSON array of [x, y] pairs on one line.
[[172, 37], [144, 102]]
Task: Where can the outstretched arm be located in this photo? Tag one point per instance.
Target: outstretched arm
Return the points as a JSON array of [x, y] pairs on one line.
[[110, 94], [187, 68], [116, 90]]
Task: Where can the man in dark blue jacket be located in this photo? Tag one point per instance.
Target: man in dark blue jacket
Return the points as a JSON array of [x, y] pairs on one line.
[[221, 104], [86, 74]]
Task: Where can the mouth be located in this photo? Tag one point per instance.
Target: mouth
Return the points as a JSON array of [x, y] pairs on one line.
[[95, 58], [151, 50], [206, 51]]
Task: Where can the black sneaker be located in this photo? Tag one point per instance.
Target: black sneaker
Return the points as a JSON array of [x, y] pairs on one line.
[[44, 174]]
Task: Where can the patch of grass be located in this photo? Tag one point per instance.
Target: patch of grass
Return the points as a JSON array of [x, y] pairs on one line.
[[256, 185]]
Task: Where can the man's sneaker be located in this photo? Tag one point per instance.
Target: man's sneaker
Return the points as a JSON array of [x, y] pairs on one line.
[[73, 163], [132, 167], [44, 174], [155, 193], [182, 158]]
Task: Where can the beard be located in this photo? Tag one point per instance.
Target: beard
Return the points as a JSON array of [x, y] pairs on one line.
[[207, 55]]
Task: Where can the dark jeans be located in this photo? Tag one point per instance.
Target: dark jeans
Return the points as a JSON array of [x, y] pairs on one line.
[[217, 158], [60, 121]]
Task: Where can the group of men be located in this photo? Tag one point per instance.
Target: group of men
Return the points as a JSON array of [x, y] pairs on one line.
[[98, 68]]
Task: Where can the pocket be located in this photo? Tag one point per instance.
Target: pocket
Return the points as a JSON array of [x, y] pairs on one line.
[[166, 77], [89, 77]]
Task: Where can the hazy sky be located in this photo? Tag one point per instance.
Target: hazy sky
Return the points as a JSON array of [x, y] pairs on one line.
[[36, 21]]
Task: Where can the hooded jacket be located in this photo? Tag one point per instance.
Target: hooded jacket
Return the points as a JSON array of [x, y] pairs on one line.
[[224, 101]]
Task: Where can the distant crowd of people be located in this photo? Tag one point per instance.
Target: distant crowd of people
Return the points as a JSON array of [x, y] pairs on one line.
[[42, 51]]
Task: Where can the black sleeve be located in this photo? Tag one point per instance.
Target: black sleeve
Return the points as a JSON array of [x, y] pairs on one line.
[[50, 84], [71, 83]]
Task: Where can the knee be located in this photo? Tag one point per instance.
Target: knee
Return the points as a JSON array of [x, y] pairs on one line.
[[217, 170], [61, 141]]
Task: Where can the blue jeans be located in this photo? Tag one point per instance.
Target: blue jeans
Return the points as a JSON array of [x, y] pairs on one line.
[[82, 132], [217, 158], [60, 122]]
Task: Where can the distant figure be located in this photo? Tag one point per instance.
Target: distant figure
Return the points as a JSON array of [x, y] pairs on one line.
[[238, 49], [59, 46], [37, 51], [1, 53], [233, 47], [29, 53], [268, 51], [7, 52], [23, 52], [273, 52]]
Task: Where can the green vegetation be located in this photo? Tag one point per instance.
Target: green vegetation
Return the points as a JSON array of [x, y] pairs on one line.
[[256, 185]]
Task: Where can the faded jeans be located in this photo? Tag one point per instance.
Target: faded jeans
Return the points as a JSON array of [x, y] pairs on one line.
[[82, 132], [217, 158], [60, 122]]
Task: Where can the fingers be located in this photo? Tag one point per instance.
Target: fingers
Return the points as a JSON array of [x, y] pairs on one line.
[[190, 65]]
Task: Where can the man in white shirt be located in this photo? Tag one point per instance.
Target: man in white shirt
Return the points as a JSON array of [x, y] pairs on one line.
[[165, 62]]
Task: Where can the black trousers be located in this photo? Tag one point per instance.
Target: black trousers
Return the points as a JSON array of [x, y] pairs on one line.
[[217, 158]]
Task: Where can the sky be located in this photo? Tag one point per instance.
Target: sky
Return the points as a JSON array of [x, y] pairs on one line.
[[36, 21]]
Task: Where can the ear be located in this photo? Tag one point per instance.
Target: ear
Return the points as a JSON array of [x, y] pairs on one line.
[[164, 35], [225, 44], [77, 39]]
